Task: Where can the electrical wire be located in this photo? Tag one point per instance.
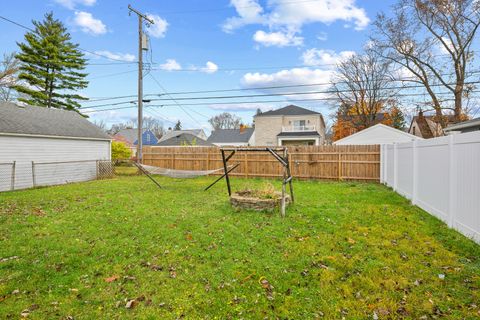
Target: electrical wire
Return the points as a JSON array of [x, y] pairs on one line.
[[267, 95]]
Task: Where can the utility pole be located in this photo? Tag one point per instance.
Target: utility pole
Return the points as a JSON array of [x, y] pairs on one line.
[[141, 17]]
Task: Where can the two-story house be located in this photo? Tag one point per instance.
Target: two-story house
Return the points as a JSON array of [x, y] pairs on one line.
[[291, 125]]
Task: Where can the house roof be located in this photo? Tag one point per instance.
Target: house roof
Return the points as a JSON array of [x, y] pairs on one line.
[[231, 135], [183, 139], [427, 124], [173, 133], [464, 125], [32, 120], [377, 134], [131, 135], [299, 134], [290, 110]]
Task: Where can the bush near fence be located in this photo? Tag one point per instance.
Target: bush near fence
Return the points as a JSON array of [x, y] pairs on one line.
[[441, 175], [361, 163]]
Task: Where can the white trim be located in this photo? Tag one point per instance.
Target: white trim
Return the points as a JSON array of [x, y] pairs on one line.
[[26, 135]]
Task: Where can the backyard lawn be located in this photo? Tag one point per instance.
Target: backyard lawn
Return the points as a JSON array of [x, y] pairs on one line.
[[123, 249]]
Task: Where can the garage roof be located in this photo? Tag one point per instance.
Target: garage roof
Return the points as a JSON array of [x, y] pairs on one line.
[[32, 120]]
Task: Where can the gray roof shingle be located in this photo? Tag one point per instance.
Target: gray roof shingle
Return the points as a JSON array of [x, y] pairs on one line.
[[230, 135], [173, 133], [290, 110], [183, 139], [32, 120]]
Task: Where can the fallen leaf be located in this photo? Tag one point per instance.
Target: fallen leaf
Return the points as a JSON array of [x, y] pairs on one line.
[[112, 278], [131, 304]]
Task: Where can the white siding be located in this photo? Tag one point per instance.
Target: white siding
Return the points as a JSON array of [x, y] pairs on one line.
[[378, 134], [441, 175], [25, 149]]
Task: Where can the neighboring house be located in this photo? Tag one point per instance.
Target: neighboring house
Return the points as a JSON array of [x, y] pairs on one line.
[[427, 127], [377, 134], [464, 127], [42, 135], [232, 137], [183, 140], [291, 125], [347, 125], [128, 144], [131, 136], [173, 133]]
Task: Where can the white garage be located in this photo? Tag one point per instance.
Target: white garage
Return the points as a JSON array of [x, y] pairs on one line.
[[377, 134], [41, 146]]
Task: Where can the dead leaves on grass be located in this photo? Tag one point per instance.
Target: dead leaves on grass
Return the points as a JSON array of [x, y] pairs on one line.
[[267, 287]]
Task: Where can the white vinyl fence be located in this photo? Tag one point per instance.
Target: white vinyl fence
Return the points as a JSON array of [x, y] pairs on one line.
[[441, 176]]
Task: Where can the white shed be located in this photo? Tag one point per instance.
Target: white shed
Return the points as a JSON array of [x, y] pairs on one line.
[[377, 134], [41, 146]]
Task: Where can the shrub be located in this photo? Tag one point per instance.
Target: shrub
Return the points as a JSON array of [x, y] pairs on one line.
[[120, 151]]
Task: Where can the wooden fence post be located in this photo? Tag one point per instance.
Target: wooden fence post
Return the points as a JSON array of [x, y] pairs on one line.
[[339, 164], [246, 168]]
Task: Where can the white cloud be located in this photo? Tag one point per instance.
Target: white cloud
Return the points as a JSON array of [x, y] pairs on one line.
[[70, 4], [290, 17], [317, 57], [171, 65], [277, 39], [290, 77], [322, 36], [117, 56], [88, 23], [249, 12], [210, 67], [448, 44], [159, 28]]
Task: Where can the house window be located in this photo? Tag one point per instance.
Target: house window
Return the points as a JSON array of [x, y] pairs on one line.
[[414, 131], [148, 138], [299, 124]]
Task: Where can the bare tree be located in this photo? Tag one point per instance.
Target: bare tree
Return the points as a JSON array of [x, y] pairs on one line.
[[363, 88], [225, 121], [149, 123], [416, 30], [101, 124], [9, 67]]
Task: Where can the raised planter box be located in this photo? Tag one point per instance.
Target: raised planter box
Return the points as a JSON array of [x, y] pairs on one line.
[[247, 200]]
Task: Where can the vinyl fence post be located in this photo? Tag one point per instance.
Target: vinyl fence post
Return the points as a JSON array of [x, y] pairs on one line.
[[452, 182], [381, 163], [395, 167], [414, 172], [385, 165]]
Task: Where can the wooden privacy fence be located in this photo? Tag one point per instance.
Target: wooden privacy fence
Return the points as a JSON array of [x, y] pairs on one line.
[[360, 163]]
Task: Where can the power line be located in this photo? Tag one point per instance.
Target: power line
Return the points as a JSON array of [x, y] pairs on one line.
[[84, 50], [252, 88], [270, 95], [176, 102], [256, 102]]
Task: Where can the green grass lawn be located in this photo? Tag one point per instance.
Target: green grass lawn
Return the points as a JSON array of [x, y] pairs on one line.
[[352, 250]]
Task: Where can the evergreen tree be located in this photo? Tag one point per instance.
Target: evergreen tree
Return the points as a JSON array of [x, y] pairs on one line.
[[51, 66], [398, 118], [178, 126]]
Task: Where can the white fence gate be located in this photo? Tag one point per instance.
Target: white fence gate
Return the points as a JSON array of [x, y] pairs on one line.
[[441, 176]]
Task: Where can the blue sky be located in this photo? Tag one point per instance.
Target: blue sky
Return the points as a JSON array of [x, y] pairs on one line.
[[205, 45]]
